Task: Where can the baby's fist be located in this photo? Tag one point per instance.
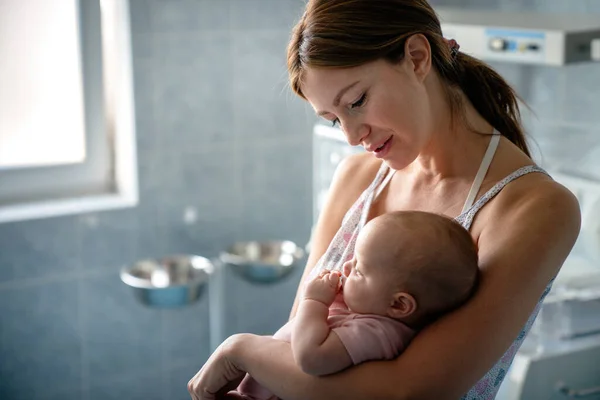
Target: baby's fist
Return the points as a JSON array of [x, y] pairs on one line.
[[324, 287]]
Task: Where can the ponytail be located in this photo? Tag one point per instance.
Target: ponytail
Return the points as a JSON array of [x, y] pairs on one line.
[[492, 97]]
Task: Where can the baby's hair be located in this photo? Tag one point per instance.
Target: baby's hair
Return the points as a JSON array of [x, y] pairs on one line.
[[441, 269]]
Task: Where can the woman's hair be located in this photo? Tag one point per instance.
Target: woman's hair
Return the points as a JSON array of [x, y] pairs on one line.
[[350, 33]]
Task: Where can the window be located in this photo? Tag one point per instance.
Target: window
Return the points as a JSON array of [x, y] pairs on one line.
[[67, 134]]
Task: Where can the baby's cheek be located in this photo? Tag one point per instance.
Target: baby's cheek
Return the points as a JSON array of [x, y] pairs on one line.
[[349, 290]]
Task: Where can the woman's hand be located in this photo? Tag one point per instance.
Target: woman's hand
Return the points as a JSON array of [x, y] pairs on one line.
[[219, 374]]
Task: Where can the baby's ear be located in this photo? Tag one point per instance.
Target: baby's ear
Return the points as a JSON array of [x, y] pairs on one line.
[[402, 306]]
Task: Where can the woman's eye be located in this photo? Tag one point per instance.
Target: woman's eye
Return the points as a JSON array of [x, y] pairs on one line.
[[335, 122], [359, 102]]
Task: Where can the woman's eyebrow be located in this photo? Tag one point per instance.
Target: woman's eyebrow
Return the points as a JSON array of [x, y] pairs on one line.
[[338, 98], [336, 101]]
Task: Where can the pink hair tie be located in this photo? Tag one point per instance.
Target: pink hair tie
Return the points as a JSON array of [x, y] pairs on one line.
[[454, 47]]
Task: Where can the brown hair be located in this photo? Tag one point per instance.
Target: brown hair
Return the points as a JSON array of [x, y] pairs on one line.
[[350, 33], [442, 271]]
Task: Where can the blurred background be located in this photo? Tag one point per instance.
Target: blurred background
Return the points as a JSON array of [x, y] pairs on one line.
[[224, 154]]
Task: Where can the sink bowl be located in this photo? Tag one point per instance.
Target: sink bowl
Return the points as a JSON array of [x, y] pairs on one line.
[[169, 282], [262, 262]]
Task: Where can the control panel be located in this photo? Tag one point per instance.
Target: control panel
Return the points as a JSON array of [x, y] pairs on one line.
[[523, 37], [527, 46]]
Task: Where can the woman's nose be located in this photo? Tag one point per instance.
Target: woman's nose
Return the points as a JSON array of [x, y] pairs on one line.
[[355, 133]]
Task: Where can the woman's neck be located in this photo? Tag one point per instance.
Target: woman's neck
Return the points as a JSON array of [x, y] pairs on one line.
[[457, 144]]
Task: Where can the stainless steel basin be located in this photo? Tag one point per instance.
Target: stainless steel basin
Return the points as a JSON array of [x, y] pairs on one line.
[[169, 282], [263, 262]]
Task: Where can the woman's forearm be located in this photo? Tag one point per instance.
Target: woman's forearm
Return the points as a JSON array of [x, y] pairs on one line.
[[271, 363]]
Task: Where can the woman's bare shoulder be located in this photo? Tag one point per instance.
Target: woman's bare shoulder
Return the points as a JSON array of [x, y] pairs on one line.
[[535, 204], [524, 199], [354, 174], [535, 192]]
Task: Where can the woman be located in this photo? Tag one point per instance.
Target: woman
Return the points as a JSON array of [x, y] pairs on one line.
[[438, 127]]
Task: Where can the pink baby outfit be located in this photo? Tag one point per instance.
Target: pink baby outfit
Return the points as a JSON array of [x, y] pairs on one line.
[[365, 336]]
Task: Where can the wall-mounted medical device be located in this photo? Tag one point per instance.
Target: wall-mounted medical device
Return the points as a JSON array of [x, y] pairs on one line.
[[526, 38]]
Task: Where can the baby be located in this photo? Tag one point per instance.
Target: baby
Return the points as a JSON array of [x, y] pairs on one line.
[[409, 268]]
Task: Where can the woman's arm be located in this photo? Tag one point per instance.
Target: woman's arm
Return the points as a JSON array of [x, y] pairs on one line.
[[522, 247], [358, 169]]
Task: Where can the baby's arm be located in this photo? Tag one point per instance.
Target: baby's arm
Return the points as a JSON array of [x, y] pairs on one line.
[[316, 349]]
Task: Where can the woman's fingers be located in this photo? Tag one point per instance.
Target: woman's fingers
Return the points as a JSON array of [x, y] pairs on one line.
[[218, 376]]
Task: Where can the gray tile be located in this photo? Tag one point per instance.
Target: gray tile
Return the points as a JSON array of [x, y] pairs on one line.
[[122, 337], [264, 106], [559, 6], [189, 15], [593, 6], [562, 94], [544, 89], [39, 248], [277, 187], [566, 147], [265, 14], [480, 4], [151, 236], [186, 333], [141, 18], [69, 393], [143, 387], [144, 74], [582, 95], [204, 183], [193, 95], [108, 239], [142, 46], [517, 5], [207, 176], [512, 73], [447, 3], [207, 238], [153, 172], [72, 392], [40, 340], [254, 304], [179, 378]]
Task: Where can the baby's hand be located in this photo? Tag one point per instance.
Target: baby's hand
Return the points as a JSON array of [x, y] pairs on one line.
[[324, 287]]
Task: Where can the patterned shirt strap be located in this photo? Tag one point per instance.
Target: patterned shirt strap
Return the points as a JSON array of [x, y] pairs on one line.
[[466, 219]]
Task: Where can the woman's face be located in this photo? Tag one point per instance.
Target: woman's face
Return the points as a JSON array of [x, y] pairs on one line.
[[382, 106]]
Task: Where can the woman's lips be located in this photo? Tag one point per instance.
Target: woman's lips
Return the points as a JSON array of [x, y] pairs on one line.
[[383, 150]]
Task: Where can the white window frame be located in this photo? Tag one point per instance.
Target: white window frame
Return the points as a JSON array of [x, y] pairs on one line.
[[119, 120]]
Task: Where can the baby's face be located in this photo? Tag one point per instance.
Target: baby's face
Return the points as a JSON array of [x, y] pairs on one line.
[[371, 279], [366, 289]]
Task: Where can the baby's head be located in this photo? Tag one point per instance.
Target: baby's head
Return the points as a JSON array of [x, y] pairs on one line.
[[412, 266]]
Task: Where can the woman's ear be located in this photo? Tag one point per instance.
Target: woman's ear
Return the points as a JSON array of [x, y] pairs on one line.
[[402, 306], [417, 52]]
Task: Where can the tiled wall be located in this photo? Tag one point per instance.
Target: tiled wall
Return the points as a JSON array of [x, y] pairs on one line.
[[217, 131]]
